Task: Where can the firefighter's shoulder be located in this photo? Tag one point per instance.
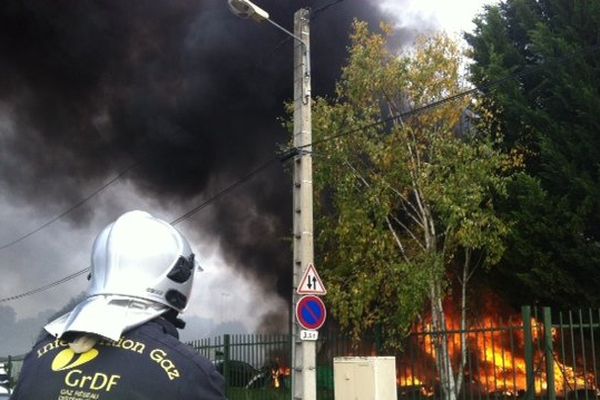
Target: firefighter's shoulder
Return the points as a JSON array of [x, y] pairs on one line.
[[197, 375]]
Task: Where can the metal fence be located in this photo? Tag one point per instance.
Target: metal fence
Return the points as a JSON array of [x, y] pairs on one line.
[[534, 355], [538, 354], [12, 366], [258, 367]]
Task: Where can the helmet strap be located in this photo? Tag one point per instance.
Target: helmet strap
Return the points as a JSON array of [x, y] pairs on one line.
[[172, 316]]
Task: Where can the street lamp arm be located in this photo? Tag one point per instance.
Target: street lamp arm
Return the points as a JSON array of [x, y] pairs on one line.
[[247, 9], [286, 31]]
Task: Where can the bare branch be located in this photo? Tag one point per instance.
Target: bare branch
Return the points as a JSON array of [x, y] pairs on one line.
[[357, 174], [445, 246], [387, 219], [405, 202], [398, 241], [477, 265], [463, 317], [409, 231]]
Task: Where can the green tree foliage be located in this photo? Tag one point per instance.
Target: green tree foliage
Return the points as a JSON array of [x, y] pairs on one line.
[[550, 112], [400, 204]]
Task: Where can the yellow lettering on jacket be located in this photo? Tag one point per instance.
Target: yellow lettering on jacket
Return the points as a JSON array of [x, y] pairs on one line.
[[160, 357], [97, 381], [51, 346]]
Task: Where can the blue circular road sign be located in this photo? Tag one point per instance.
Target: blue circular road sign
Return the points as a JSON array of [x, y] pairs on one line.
[[310, 312]]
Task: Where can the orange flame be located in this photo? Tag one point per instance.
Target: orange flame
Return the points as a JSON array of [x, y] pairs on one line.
[[496, 368]]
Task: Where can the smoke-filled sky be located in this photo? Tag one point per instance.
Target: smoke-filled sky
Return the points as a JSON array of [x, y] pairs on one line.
[[190, 96]]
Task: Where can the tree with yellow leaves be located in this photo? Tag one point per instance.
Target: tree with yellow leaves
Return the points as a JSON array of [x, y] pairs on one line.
[[401, 204]]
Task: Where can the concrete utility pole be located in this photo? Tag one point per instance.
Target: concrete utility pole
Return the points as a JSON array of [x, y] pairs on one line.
[[304, 369], [304, 372]]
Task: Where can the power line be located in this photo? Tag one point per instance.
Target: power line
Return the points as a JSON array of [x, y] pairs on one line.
[[224, 191], [70, 209], [97, 191], [409, 113], [482, 89], [314, 14], [292, 152], [284, 157], [46, 287]]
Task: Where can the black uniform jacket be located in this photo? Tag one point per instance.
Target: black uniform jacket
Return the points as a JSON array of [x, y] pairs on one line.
[[147, 363]]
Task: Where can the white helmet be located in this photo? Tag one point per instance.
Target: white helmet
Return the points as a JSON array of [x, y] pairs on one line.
[[141, 267]]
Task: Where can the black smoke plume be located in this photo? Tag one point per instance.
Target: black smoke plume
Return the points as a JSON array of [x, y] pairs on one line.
[[183, 88]]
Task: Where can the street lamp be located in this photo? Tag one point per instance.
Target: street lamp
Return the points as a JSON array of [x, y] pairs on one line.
[[304, 385], [245, 9]]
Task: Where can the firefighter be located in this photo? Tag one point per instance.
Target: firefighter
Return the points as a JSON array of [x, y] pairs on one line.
[[121, 341]]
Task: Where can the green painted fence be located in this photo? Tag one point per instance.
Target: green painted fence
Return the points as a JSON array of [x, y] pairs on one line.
[[12, 365], [537, 354]]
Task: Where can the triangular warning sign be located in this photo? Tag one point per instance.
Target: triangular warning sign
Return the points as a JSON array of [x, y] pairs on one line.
[[311, 282]]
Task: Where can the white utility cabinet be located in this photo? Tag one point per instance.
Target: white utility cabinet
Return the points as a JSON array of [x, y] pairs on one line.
[[364, 378]]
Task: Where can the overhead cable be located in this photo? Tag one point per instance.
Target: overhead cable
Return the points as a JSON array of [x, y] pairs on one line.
[[223, 191], [315, 13], [175, 221], [69, 209], [46, 287], [483, 89]]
